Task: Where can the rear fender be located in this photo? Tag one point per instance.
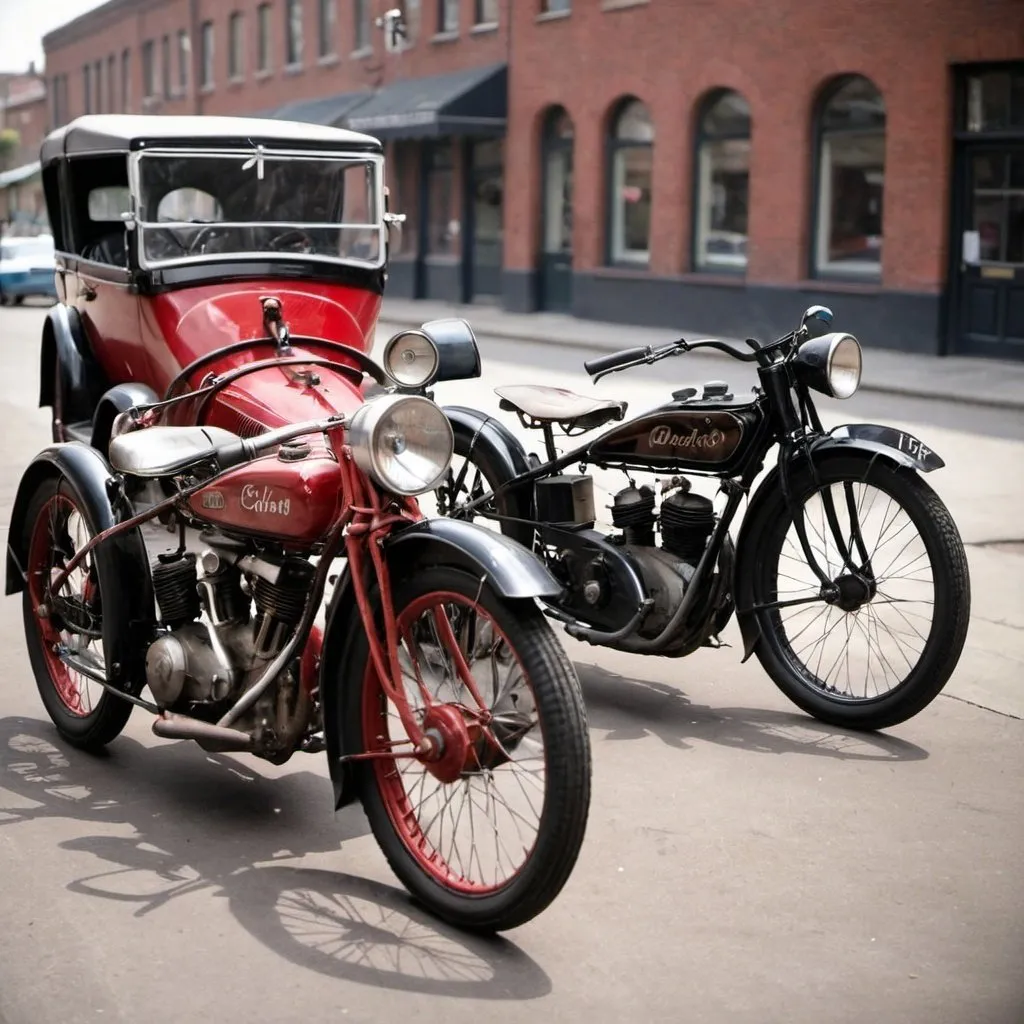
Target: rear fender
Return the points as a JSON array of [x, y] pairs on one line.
[[513, 572], [66, 347], [124, 558], [869, 441]]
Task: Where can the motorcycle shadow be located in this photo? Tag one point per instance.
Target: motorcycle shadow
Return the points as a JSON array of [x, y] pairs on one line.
[[635, 708], [205, 822]]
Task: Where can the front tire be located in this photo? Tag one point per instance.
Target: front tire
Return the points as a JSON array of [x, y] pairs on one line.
[[903, 624], [498, 879]]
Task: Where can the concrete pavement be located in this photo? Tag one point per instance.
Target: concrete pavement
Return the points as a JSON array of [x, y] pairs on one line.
[[954, 379], [742, 864]]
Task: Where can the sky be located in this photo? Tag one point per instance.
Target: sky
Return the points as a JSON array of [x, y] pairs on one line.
[[23, 23]]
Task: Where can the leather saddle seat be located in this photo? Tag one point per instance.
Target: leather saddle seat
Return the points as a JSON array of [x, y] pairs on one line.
[[557, 405], [165, 451]]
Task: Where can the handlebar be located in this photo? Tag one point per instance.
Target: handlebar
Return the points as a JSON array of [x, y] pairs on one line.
[[616, 359], [245, 449]]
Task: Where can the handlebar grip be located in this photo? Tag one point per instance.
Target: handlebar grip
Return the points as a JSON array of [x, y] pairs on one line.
[[609, 362], [232, 454]]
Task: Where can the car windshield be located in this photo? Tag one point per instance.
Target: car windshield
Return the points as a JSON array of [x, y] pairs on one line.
[[212, 205], [39, 248]]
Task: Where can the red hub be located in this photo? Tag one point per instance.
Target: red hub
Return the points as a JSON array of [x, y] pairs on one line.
[[454, 741]]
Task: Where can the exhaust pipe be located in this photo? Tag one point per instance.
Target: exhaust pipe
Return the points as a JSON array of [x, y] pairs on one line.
[[209, 737]]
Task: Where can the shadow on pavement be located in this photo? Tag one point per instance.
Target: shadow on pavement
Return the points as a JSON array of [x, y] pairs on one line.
[[632, 709], [202, 821]]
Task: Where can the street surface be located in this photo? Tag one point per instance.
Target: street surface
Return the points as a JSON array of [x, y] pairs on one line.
[[742, 862]]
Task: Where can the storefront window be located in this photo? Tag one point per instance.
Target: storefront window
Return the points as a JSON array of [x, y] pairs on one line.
[[851, 179], [632, 153], [995, 101], [442, 223], [723, 178]]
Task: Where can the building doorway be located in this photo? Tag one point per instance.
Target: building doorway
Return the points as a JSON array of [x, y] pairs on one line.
[[987, 280], [486, 195], [556, 184]]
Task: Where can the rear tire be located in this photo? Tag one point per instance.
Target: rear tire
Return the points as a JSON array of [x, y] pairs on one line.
[[448, 887], [81, 720]]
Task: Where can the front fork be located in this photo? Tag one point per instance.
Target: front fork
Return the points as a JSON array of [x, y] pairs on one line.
[[371, 524], [830, 591]]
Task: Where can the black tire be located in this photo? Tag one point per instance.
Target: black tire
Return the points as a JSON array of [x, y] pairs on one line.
[[110, 713], [562, 722], [512, 502], [950, 583], [19, 300]]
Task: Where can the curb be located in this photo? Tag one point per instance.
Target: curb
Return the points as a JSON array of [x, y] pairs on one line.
[[898, 390]]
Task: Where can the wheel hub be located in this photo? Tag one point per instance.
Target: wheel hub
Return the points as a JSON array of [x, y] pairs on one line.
[[853, 591], [446, 727]]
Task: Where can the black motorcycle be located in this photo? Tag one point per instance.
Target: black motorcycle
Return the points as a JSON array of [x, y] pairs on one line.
[[848, 577]]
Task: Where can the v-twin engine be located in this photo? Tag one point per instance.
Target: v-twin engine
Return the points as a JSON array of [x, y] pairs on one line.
[[228, 613]]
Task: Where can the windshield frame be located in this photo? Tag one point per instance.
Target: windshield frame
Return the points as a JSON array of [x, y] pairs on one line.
[[136, 226]]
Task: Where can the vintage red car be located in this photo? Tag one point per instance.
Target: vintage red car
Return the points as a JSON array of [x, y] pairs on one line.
[[219, 281]]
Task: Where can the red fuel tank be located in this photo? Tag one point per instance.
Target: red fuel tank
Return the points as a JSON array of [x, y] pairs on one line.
[[291, 496]]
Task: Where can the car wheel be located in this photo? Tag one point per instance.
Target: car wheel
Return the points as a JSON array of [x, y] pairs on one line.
[[19, 299]]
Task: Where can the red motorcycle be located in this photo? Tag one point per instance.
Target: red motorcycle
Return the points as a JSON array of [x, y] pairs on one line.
[[187, 397]]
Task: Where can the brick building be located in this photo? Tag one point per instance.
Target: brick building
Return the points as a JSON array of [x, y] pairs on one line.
[[24, 120], [714, 166]]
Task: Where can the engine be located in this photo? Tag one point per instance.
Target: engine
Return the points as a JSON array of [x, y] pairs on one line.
[[686, 522], [251, 604]]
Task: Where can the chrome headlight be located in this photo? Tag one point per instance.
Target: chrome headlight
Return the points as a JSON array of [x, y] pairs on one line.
[[831, 363], [411, 359], [404, 443]]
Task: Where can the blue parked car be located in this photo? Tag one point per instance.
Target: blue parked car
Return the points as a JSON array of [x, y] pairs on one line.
[[26, 268]]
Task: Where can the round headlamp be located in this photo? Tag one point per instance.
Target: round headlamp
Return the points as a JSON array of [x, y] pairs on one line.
[[404, 443], [411, 359], [831, 364]]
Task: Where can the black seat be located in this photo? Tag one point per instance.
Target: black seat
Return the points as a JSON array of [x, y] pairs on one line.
[[557, 405]]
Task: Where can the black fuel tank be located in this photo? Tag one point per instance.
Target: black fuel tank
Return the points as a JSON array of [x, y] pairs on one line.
[[688, 436]]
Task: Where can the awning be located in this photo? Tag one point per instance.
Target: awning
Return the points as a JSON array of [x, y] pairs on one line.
[[473, 102], [19, 174], [327, 110]]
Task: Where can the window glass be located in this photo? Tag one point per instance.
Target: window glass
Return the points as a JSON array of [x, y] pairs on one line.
[[632, 165]]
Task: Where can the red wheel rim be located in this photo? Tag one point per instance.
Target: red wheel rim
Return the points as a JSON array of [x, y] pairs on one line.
[[70, 686], [426, 825]]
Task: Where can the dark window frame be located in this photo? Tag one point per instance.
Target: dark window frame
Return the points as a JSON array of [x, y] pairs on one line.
[[613, 146]]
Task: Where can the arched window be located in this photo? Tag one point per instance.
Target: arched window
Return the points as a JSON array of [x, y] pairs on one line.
[[723, 176], [851, 176], [631, 149]]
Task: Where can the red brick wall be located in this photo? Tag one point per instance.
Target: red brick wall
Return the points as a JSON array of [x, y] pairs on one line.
[[779, 55], [127, 23]]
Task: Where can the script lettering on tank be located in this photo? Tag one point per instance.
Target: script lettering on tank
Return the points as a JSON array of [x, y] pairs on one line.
[[254, 499], [665, 437]]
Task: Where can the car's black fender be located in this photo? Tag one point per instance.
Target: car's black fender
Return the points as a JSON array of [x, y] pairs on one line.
[[513, 571], [124, 557], [868, 440], [118, 399], [65, 347]]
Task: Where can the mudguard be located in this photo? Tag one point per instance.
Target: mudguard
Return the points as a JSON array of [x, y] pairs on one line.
[[118, 399], [514, 572], [65, 346], [497, 451], [129, 614], [870, 440]]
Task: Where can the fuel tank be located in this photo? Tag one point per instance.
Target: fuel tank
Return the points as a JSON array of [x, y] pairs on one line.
[[695, 436], [291, 495]]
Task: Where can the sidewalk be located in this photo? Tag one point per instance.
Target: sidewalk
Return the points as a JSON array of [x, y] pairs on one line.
[[954, 378]]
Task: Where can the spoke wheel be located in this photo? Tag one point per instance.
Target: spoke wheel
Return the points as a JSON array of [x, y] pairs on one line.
[[68, 620], [487, 830], [878, 644]]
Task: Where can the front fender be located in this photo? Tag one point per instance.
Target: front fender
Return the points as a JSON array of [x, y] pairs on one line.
[[514, 573], [896, 445], [65, 348]]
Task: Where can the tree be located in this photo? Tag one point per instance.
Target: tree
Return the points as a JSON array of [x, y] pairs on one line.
[[9, 142]]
